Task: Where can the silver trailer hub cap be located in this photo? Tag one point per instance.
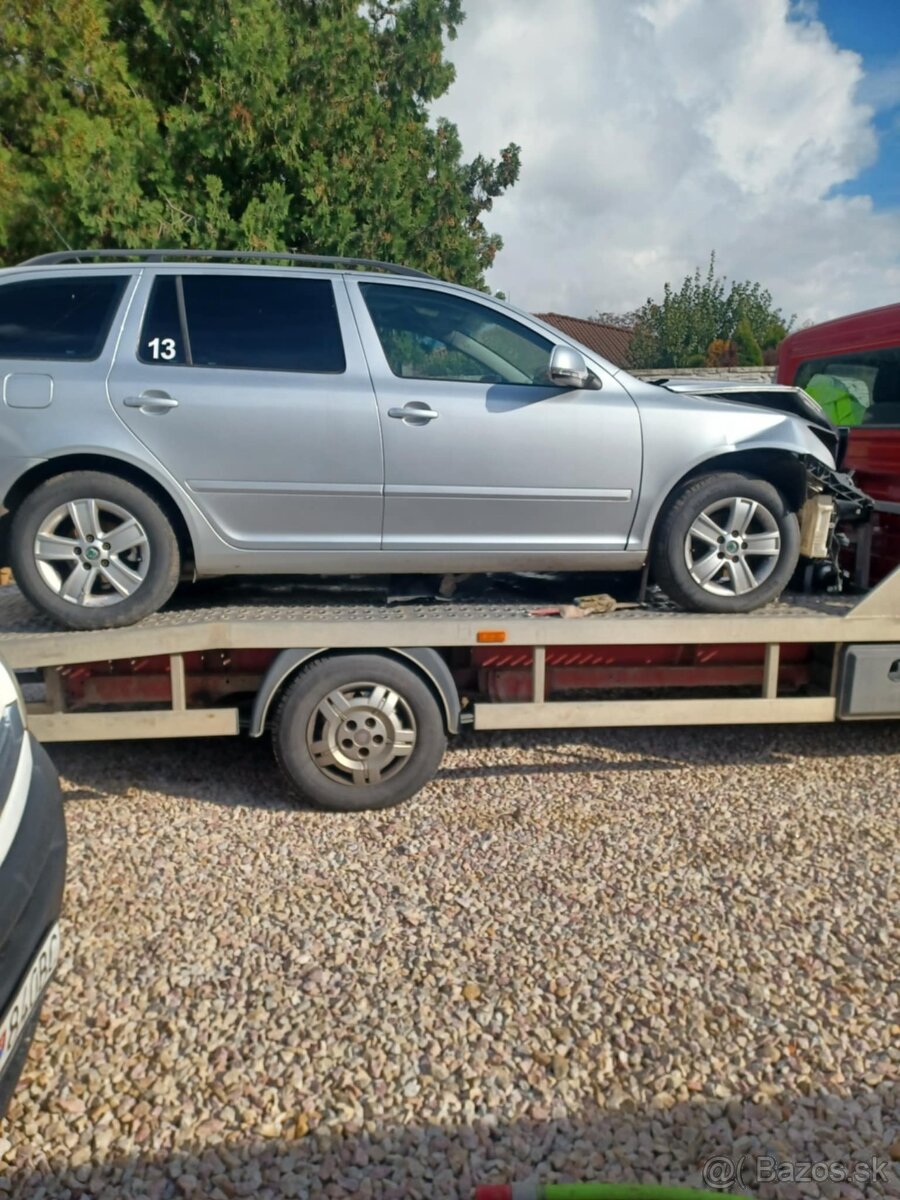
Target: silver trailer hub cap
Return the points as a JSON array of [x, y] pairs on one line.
[[732, 547], [92, 552], [361, 734]]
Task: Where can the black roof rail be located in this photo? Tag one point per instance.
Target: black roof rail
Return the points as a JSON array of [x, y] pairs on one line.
[[371, 264]]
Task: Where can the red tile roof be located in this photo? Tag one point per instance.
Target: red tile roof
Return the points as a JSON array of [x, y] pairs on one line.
[[607, 340]]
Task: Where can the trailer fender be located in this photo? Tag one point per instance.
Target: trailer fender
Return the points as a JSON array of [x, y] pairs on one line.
[[427, 660]]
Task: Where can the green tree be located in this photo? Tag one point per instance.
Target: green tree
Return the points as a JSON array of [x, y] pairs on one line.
[[746, 346], [624, 320], [252, 124], [679, 330]]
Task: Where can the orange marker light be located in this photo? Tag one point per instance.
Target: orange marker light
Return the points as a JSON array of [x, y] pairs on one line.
[[491, 635]]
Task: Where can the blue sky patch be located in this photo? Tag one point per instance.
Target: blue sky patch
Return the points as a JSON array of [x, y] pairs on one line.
[[872, 29]]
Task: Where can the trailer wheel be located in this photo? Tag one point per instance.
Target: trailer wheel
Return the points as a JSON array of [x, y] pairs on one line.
[[726, 544], [358, 731], [93, 551]]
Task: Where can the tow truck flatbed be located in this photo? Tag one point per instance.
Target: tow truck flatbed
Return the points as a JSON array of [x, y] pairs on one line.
[[265, 615], [219, 659]]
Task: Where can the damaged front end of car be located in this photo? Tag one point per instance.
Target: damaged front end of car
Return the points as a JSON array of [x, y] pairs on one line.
[[833, 506]]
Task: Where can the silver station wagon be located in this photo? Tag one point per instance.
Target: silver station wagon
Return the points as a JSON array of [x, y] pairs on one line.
[[178, 414]]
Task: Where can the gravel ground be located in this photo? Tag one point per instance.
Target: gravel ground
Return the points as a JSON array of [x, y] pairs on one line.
[[609, 955]]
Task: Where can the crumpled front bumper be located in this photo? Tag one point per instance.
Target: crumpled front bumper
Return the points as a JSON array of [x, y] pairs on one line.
[[850, 502], [833, 499]]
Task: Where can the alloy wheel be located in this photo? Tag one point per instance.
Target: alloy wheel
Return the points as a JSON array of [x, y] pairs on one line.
[[732, 546], [92, 552]]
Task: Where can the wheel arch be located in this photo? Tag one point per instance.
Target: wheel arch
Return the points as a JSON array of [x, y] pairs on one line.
[[784, 469], [424, 660], [51, 468]]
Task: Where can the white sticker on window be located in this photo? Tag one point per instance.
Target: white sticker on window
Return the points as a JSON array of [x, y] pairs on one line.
[[163, 348]]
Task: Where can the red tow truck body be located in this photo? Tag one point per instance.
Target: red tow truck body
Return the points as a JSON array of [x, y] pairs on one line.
[[865, 346]]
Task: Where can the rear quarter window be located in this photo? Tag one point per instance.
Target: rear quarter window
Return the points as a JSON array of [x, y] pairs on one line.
[[58, 319]]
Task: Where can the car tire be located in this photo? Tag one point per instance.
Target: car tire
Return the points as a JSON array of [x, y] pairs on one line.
[[725, 543], [338, 727], [76, 513]]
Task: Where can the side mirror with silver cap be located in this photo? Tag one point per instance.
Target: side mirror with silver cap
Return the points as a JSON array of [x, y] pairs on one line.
[[568, 369]]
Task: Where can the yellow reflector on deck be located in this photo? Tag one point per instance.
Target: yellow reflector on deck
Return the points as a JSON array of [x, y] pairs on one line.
[[491, 635]]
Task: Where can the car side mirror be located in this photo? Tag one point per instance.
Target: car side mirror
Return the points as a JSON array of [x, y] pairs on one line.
[[568, 369]]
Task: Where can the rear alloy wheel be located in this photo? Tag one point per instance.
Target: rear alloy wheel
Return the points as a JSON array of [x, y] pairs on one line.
[[726, 543], [358, 731], [93, 551]]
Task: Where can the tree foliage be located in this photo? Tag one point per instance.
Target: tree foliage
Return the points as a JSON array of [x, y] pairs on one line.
[[721, 353], [747, 348], [625, 320], [251, 124], [701, 321]]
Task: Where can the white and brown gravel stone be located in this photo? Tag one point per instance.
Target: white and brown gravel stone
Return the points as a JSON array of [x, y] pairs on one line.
[[594, 955]]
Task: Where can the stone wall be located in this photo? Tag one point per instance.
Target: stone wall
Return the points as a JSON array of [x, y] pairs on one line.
[[743, 374]]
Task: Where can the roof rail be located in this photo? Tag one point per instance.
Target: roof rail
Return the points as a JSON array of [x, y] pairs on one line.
[[153, 256]]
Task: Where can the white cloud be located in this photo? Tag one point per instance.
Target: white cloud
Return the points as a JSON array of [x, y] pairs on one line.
[[881, 86], [653, 131]]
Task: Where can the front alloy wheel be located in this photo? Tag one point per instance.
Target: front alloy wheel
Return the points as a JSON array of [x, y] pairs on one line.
[[733, 546], [725, 543]]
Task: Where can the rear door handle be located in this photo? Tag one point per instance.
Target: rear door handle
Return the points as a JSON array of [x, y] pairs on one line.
[[151, 402], [416, 413]]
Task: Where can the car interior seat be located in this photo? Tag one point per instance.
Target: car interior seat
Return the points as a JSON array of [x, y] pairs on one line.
[[885, 406]]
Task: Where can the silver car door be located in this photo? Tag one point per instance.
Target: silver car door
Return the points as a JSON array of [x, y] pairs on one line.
[[252, 390], [480, 452]]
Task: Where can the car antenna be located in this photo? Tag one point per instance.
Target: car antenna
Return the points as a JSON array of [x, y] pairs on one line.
[[46, 217]]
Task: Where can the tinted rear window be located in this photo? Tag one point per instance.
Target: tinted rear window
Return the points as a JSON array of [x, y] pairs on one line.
[[244, 323], [58, 318]]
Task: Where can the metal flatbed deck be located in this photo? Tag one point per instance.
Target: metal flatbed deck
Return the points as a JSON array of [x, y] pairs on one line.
[[263, 616], [325, 616]]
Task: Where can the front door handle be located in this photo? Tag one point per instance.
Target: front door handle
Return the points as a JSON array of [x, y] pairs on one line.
[[151, 401], [414, 413]]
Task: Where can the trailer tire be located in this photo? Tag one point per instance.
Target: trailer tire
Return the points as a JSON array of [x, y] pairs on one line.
[[149, 562], [358, 731], [752, 559]]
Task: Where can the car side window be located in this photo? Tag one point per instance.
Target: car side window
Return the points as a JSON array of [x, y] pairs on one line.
[[243, 322], [427, 334], [162, 338], [61, 319], [857, 388]]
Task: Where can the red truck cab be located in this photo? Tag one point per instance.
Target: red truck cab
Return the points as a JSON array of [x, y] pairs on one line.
[[852, 367]]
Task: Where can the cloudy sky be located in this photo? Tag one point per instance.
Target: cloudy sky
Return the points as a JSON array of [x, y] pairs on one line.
[[654, 131]]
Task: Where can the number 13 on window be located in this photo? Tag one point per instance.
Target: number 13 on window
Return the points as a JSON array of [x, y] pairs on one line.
[[162, 348]]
